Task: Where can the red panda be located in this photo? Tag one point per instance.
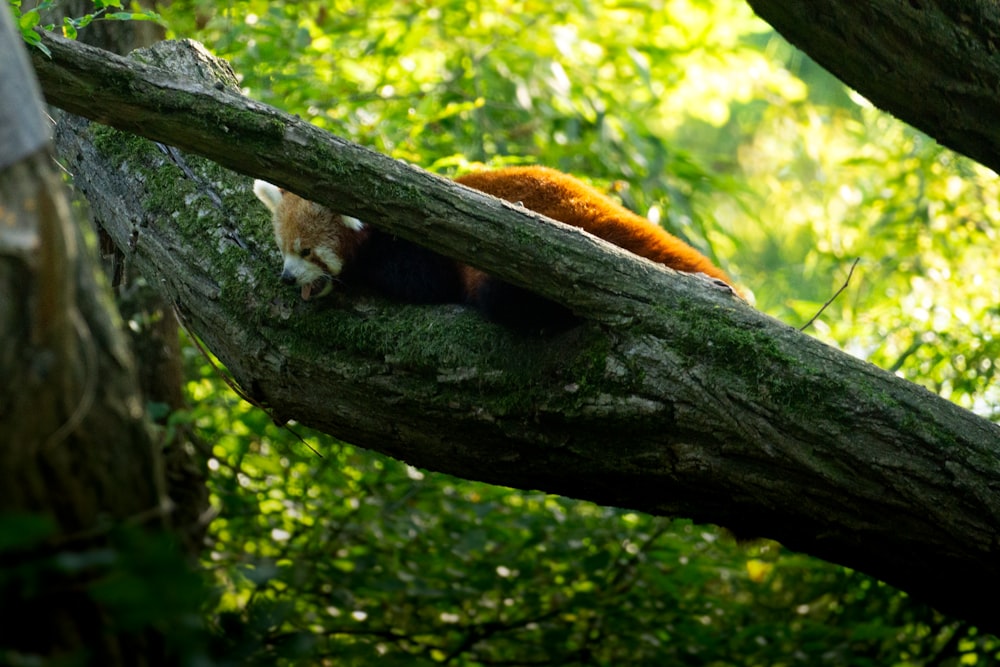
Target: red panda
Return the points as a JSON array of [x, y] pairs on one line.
[[319, 246]]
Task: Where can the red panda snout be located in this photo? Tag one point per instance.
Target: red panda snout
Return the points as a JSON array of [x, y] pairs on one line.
[[308, 268]]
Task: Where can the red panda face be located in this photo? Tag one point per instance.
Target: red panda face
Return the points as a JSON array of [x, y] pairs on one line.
[[315, 242]]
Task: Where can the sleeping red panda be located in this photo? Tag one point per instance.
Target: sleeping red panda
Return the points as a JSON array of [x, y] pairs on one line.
[[319, 246]]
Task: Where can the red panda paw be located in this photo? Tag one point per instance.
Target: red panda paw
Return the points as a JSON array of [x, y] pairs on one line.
[[719, 283]]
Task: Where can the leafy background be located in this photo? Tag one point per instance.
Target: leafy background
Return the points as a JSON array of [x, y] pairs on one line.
[[699, 116]]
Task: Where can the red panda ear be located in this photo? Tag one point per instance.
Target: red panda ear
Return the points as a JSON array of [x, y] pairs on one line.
[[269, 194]]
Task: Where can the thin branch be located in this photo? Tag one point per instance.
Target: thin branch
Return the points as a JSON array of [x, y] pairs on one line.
[[231, 382], [832, 298]]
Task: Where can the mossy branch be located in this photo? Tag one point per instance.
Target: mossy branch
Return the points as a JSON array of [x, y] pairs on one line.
[[674, 399]]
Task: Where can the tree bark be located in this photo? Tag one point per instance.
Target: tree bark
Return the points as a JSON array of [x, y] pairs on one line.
[[675, 398], [74, 446], [153, 331], [932, 63]]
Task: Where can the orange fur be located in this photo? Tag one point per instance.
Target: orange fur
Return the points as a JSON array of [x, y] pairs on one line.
[[568, 200], [315, 242]]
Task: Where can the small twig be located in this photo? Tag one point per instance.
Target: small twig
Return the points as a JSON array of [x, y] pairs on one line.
[[830, 300], [231, 382]]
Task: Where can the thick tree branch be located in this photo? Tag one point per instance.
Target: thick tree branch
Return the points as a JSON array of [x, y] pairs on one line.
[[932, 63], [676, 399]]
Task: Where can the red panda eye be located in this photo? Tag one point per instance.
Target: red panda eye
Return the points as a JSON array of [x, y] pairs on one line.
[[305, 252]]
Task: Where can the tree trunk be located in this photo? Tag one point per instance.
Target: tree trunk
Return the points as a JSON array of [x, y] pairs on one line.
[[75, 451], [119, 37], [674, 399], [153, 329]]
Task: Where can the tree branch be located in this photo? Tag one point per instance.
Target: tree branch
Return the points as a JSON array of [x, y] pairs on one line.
[[932, 63], [257, 140], [674, 399]]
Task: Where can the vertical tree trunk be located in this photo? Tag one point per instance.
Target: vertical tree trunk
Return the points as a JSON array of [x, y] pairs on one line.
[[74, 446], [119, 37], [77, 461], [153, 328]]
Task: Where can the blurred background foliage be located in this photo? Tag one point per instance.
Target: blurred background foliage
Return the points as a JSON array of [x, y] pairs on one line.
[[698, 115]]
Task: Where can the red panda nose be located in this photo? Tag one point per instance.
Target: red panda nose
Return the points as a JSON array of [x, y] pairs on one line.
[[287, 278]]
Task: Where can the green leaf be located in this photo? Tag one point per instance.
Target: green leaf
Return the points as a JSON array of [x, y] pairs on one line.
[[69, 30], [29, 20]]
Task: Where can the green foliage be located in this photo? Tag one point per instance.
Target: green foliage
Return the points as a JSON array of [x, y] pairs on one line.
[[30, 20], [695, 114]]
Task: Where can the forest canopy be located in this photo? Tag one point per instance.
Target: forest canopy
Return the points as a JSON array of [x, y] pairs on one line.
[[698, 116]]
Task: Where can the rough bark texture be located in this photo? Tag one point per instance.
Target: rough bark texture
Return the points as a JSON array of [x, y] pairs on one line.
[[74, 446], [676, 399], [933, 63], [153, 330], [69, 404]]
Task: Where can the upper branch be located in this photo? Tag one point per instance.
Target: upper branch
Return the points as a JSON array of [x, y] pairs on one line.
[[932, 63]]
